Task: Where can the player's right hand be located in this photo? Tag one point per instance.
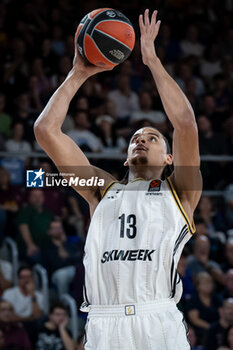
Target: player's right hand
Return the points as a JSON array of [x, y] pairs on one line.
[[81, 66]]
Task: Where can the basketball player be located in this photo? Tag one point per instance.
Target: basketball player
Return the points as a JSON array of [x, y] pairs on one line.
[[138, 229]]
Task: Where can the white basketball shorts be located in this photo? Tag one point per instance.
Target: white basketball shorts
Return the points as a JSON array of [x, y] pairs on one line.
[[156, 325]]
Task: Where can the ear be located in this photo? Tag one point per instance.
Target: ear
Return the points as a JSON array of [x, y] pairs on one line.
[[169, 159], [126, 163]]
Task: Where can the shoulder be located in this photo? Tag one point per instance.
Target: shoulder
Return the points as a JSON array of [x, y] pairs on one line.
[[10, 292]]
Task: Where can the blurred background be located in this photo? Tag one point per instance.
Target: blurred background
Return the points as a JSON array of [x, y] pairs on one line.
[[42, 231]]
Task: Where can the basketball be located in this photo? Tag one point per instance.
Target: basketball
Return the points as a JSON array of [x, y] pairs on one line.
[[105, 37]]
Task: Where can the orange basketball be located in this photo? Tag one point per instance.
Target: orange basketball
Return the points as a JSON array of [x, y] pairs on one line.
[[105, 37]]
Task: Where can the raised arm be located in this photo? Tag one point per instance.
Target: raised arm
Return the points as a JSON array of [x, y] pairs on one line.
[[186, 159], [67, 156]]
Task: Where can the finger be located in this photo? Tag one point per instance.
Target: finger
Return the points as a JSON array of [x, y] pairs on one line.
[[146, 17], [153, 18], [158, 26], [141, 24]]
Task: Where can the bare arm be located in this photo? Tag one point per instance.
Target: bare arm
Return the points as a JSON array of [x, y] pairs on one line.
[[67, 340], [36, 311], [67, 156], [186, 158], [26, 235], [196, 320]]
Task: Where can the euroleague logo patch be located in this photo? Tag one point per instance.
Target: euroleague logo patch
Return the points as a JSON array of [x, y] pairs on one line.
[[154, 186]]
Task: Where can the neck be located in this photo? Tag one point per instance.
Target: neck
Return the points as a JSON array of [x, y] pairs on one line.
[[145, 172], [50, 325], [23, 291], [17, 139]]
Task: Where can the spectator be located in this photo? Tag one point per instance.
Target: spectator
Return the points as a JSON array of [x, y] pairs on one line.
[[27, 302], [216, 239], [10, 199], [210, 142], [108, 135], [34, 93], [16, 66], [199, 261], [14, 332], [228, 284], [53, 197], [74, 216], [146, 112], [185, 74], [222, 95], [193, 340], [24, 113], [42, 81], [125, 100], [17, 144], [48, 57], [54, 335], [33, 222], [190, 92], [81, 135], [228, 339], [228, 261], [211, 64], [186, 277], [212, 217], [172, 48], [58, 44], [190, 45], [215, 333], [60, 256], [203, 309]]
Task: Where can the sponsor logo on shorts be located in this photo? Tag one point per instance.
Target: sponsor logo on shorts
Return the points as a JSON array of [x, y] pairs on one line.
[[129, 310], [128, 255]]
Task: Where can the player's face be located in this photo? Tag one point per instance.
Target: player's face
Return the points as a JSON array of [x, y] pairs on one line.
[[147, 146]]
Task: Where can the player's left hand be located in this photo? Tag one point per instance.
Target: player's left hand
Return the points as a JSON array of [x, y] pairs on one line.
[[149, 30]]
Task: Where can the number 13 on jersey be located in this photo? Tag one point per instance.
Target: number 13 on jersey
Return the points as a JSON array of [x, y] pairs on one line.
[[128, 226]]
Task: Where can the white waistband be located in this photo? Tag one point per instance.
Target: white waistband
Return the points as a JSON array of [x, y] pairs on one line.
[[130, 309]]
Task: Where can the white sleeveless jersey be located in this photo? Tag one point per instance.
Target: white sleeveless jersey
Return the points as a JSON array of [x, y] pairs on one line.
[[134, 243]]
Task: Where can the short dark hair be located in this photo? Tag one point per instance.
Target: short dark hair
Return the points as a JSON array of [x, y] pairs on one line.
[[24, 267], [57, 305]]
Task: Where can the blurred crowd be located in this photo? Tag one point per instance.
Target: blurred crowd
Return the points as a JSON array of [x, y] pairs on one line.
[[49, 225]]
